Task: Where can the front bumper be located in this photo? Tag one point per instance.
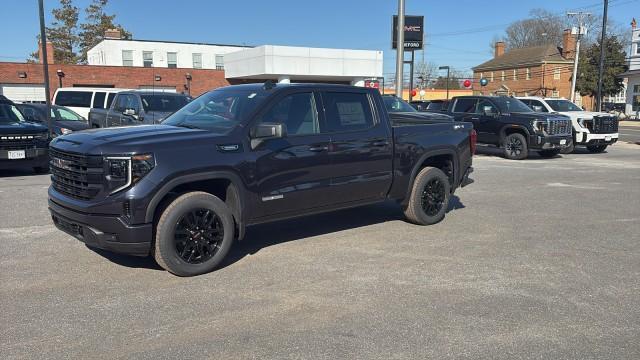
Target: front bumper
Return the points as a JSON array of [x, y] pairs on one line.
[[586, 138], [33, 158], [548, 142], [106, 232]]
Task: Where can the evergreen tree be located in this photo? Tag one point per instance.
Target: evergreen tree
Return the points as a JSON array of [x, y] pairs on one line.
[[95, 25], [63, 34], [614, 64]]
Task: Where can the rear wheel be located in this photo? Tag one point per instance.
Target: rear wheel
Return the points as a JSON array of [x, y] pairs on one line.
[[194, 234], [515, 147], [429, 197], [596, 148], [549, 153]]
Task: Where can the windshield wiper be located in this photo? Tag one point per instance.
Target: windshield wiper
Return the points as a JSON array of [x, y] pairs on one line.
[[188, 126]]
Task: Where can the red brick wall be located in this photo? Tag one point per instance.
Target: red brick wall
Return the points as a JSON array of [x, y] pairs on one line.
[[119, 76], [541, 83]]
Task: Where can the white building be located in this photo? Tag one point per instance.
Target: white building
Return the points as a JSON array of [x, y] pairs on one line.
[[243, 63], [633, 74]]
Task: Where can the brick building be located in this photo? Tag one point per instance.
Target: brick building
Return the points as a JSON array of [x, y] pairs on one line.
[[533, 71]]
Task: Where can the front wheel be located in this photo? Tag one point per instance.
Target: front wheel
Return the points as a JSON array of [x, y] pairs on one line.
[[515, 147], [194, 234], [429, 197], [549, 153], [596, 148], [569, 149]]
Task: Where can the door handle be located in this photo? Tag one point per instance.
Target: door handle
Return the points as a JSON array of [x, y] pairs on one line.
[[318, 148], [380, 143]]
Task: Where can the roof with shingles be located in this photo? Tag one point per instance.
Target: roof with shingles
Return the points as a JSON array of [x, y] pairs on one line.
[[534, 55]]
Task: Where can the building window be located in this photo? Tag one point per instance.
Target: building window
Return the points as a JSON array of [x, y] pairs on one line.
[[491, 77], [636, 88], [555, 94], [515, 74], [127, 57], [197, 61], [219, 62], [147, 58], [502, 76], [556, 73], [172, 60], [528, 76]]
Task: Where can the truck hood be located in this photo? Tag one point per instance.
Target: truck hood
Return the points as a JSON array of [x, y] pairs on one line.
[[130, 139], [584, 114], [22, 128], [156, 117]]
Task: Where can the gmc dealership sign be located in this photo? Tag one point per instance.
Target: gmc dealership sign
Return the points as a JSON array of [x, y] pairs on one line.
[[413, 32]]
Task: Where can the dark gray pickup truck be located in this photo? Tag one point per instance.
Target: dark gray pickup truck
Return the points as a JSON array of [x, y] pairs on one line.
[[137, 108], [185, 190]]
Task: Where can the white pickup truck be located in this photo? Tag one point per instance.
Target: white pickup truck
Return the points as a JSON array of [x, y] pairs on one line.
[[595, 130]]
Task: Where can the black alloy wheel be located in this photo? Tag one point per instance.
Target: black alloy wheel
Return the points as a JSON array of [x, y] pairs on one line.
[[514, 147], [198, 235], [433, 196]]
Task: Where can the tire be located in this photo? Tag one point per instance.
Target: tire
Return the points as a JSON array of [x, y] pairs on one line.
[[197, 218], [569, 149], [41, 170], [549, 153], [515, 147], [596, 149], [425, 209]]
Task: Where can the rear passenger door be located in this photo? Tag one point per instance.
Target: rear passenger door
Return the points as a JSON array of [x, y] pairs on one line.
[[361, 149]]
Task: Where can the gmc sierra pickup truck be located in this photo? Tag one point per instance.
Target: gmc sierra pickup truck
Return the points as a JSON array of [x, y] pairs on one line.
[[184, 190], [508, 123], [137, 108], [22, 143], [595, 130]]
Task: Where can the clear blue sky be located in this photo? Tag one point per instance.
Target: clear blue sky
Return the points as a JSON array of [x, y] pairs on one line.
[[356, 24]]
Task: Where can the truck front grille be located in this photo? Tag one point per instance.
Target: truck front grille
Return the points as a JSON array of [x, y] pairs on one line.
[[559, 127], [75, 175], [18, 142], [604, 125]]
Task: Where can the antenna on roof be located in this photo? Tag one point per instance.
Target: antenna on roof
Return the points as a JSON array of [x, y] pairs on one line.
[[269, 84]]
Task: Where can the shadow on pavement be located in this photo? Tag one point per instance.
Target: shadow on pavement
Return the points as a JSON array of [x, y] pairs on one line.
[[17, 172], [265, 235]]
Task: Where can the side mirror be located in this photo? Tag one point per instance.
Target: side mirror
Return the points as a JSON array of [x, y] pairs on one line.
[[488, 111], [129, 112], [537, 108], [266, 131]]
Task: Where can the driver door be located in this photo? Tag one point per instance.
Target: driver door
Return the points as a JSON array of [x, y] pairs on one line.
[[113, 115], [132, 105], [293, 173], [488, 124]]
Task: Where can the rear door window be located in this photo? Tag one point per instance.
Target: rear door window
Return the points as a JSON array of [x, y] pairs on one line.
[[98, 100], [465, 105], [347, 111], [74, 98]]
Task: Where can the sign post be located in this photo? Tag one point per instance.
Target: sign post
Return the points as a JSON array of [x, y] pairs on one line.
[[412, 40]]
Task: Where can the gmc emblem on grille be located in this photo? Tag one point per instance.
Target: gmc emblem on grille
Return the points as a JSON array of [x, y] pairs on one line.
[[62, 164]]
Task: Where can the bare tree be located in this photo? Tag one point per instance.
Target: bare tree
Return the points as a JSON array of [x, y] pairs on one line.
[[425, 73], [542, 27]]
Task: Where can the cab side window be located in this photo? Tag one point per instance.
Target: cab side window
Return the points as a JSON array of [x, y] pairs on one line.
[[465, 105], [347, 111], [121, 103], [482, 104], [541, 108], [298, 112]]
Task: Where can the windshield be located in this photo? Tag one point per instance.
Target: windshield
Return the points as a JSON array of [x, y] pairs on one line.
[[163, 103], [509, 105], [219, 111], [563, 105], [9, 114], [393, 104], [60, 113]]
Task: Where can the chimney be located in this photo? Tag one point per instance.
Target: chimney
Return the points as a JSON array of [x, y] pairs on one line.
[[50, 54], [568, 44], [112, 34], [499, 49]]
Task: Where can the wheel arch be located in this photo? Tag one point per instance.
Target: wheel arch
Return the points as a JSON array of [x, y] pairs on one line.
[[513, 128], [443, 159], [224, 184]]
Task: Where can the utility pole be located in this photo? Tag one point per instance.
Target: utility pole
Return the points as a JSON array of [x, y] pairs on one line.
[[581, 31], [602, 51], [400, 49], [45, 64]]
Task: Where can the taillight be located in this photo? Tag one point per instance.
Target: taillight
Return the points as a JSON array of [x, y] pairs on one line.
[[473, 138]]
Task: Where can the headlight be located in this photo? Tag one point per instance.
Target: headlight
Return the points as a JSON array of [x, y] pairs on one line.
[[124, 171], [540, 126], [65, 131]]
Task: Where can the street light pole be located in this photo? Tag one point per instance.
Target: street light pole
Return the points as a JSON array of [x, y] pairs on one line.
[[581, 15], [602, 51], [45, 64], [447, 68], [400, 49]]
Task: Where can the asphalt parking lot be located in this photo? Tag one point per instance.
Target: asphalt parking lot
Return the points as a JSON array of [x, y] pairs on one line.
[[536, 259]]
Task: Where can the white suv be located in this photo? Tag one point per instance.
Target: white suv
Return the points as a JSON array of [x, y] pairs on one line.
[[595, 130]]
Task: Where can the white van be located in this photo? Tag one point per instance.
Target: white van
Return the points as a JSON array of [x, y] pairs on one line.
[[82, 99]]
